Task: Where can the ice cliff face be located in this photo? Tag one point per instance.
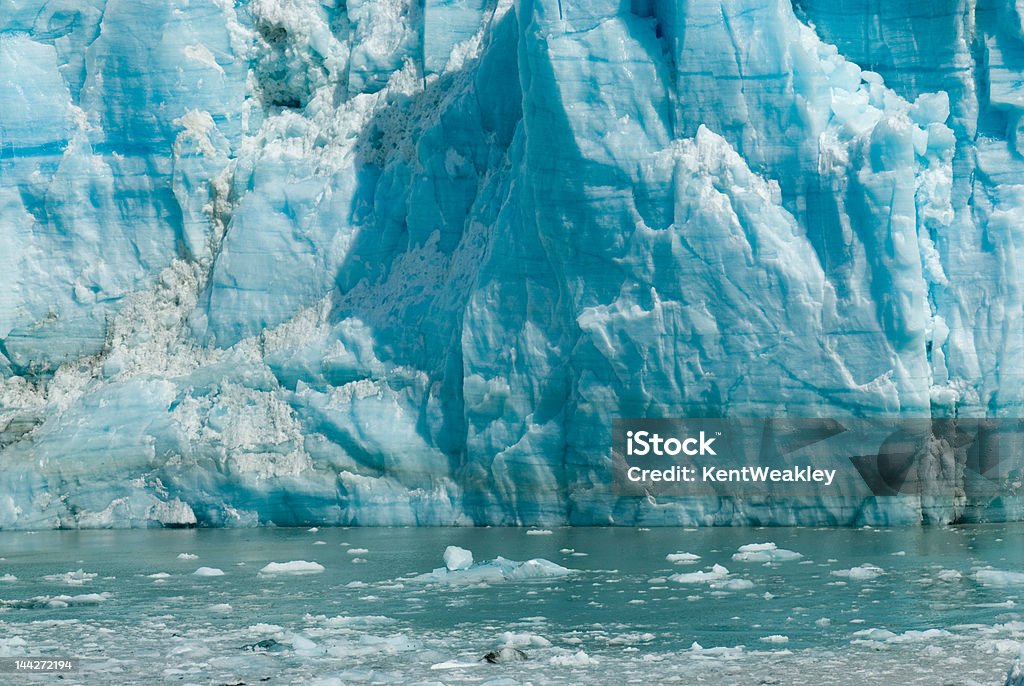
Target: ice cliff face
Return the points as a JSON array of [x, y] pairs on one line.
[[399, 262]]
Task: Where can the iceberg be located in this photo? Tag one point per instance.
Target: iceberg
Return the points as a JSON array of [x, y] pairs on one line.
[[459, 569], [765, 552], [313, 262], [293, 567]]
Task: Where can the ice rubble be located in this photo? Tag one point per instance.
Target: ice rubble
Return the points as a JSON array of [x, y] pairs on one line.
[[377, 262]]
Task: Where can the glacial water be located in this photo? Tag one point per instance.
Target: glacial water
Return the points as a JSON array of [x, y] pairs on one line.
[[921, 606]]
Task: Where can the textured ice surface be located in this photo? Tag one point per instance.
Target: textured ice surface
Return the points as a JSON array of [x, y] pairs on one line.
[[386, 262]]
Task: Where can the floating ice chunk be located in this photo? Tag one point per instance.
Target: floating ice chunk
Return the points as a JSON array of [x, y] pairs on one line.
[[221, 608], [302, 645], [523, 640], [55, 602], [187, 556], [454, 664], [864, 572], [875, 635], [313, 529], [682, 558], [631, 638], [948, 575], [208, 571], [366, 644], [764, 552], [717, 573], [774, 638], [76, 578], [498, 569], [12, 646], [577, 659], [717, 578], [7, 578], [456, 558], [357, 551], [293, 567], [718, 651], [358, 560], [998, 577], [539, 532], [158, 575]]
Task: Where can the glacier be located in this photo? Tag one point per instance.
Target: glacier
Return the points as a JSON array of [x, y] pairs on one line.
[[395, 262]]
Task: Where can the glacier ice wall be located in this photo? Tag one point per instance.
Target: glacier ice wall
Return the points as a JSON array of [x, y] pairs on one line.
[[401, 262]]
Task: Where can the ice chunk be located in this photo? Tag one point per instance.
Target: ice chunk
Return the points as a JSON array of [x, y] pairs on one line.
[[774, 638], [76, 578], [682, 558], [496, 570], [208, 571], [293, 567], [998, 577], [764, 552], [864, 572], [523, 640], [577, 659], [457, 558], [57, 601], [716, 573]]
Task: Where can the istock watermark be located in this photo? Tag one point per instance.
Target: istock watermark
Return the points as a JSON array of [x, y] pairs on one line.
[[818, 457]]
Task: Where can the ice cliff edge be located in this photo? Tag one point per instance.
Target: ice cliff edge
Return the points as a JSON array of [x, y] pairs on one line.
[[401, 262]]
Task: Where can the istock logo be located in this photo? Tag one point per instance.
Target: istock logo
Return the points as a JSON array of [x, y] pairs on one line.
[[641, 443]]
